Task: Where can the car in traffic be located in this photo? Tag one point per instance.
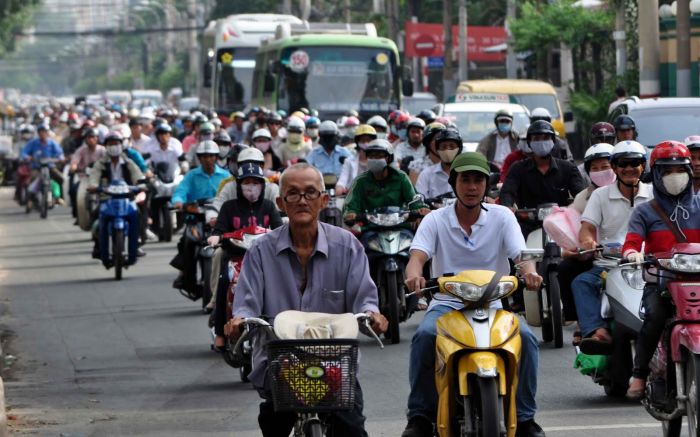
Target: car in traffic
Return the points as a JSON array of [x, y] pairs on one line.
[[418, 102], [475, 119]]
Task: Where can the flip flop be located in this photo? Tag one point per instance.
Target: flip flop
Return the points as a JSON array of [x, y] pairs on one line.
[[576, 341], [596, 346]]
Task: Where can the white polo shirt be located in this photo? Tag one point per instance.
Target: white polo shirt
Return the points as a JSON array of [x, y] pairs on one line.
[[609, 211], [433, 181], [495, 238]]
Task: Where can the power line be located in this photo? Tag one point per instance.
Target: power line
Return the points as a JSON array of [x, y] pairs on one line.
[[109, 32]]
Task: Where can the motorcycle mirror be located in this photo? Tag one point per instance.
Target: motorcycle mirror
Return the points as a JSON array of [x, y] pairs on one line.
[[417, 198], [535, 255]]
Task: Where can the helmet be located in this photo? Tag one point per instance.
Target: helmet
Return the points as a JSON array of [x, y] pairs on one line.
[[298, 114], [448, 134], [628, 149], [503, 113], [402, 119], [430, 131], [669, 153], [365, 129], [312, 122], [597, 151], [351, 122], [207, 148], [250, 154], [378, 121], [91, 132], [206, 128], [274, 117], [216, 122], [539, 127], [328, 127], [114, 136], [163, 128], [352, 113], [623, 122], [692, 142], [469, 161], [540, 114], [237, 114], [222, 138], [295, 124], [235, 151], [261, 133], [250, 170], [427, 116], [199, 119], [415, 122], [602, 132], [381, 146]]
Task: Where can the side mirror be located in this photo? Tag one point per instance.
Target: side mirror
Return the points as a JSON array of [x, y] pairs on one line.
[[535, 255], [494, 178], [568, 116], [417, 198], [407, 81]]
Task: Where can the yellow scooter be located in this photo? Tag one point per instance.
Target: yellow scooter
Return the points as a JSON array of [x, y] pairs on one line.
[[477, 355]]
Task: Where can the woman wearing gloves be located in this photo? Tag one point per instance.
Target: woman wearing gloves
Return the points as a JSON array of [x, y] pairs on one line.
[[250, 208], [673, 198]]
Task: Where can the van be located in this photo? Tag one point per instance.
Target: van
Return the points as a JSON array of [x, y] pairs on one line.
[[527, 92]]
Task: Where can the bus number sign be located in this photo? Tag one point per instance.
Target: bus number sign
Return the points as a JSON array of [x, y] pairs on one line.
[[298, 61]]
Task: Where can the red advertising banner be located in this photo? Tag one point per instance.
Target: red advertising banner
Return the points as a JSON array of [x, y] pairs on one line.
[[427, 39]]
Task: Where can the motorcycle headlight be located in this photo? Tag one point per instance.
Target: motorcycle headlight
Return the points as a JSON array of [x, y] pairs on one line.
[[117, 189], [472, 293], [682, 263], [387, 220], [633, 277], [542, 213]]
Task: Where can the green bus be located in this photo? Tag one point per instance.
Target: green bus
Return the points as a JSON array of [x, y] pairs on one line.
[[331, 72]]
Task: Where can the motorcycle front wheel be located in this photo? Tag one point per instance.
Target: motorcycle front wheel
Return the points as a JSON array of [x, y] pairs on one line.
[[206, 286], [485, 413], [117, 251], [692, 381], [44, 203], [555, 313], [166, 223], [393, 303]]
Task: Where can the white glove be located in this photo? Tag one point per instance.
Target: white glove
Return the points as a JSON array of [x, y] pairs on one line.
[[213, 240], [635, 257]]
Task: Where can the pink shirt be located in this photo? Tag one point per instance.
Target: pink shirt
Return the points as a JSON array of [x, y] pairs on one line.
[[188, 141], [83, 157]]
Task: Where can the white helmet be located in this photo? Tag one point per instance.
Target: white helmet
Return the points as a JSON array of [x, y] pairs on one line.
[[251, 154], [378, 121], [540, 114], [628, 149], [262, 133], [295, 123], [380, 145], [597, 151], [207, 148]]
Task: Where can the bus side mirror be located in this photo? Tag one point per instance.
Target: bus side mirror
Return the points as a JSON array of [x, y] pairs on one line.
[[568, 116], [407, 81]]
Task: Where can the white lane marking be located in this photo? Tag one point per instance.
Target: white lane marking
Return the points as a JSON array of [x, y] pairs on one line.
[[611, 426]]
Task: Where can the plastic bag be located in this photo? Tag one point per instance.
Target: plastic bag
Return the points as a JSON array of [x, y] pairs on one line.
[[591, 364], [563, 226]]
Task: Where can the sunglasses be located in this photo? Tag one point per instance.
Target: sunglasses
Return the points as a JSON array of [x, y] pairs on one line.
[[633, 164]]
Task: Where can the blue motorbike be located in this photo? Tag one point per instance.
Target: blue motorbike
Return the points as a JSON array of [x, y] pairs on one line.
[[118, 219]]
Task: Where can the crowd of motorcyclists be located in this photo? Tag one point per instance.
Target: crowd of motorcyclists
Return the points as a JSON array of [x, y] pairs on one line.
[[270, 173]]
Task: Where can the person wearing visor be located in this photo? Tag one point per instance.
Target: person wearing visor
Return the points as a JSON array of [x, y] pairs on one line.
[[357, 164], [497, 145], [433, 181], [223, 140], [561, 147]]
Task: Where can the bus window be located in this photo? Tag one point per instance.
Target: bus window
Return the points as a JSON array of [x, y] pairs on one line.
[[235, 79]]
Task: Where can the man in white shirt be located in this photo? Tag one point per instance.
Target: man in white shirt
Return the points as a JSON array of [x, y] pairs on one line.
[[434, 180], [413, 146], [161, 149], [466, 236], [137, 138]]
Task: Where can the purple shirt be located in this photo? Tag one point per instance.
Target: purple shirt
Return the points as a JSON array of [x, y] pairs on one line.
[[338, 280]]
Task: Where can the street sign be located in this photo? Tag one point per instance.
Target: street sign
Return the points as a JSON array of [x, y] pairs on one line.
[[424, 45], [436, 61]]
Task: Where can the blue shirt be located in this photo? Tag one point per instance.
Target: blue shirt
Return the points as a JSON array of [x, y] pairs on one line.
[[326, 163], [198, 185], [135, 156], [36, 149]]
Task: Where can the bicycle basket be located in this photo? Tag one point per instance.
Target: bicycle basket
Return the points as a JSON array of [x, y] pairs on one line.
[[313, 375]]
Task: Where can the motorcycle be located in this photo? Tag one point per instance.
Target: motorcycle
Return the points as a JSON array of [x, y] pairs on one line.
[[197, 230], [477, 354], [332, 213], [43, 189], [114, 226], [312, 360], [543, 307], [88, 203], [441, 201], [23, 177], [167, 177]]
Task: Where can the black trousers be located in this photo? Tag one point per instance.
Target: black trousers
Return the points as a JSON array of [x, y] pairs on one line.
[[567, 271], [657, 309], [185, 261]]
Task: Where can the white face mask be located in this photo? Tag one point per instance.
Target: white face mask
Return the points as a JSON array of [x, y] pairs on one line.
[[447, 156], [223, 151], [675, 183], [263, 146], [251, 192], [381, 135], [312, 133], [295, 137], [542, 148], [114, 150]]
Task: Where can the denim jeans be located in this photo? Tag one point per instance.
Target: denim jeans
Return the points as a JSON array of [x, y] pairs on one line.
[[422, 401], [586, 288]]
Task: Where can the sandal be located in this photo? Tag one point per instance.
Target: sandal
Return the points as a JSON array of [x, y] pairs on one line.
[[599, 343], [576, 341]]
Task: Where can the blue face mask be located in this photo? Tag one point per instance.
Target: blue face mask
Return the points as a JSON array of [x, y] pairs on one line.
[[402, 133], [504, 128]]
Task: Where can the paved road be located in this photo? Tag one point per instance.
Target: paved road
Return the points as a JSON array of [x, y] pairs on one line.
[[100, 357]]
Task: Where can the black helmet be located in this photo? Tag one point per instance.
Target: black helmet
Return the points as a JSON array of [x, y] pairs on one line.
[[200, 119], [540, 127], [235, 151], [449, 134], [163, 128], [222, 138], [427, 116], [624, 122], [91, 132], [430, 131]]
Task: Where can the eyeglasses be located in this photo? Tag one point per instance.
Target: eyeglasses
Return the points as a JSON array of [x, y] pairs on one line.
[[295, 197], [626, 164]]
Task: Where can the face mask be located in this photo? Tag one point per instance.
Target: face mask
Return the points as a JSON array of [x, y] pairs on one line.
[[295, 137], [603, 177], [312, 133], [392, 128], [376, 165], [381, 135], [402, 134], [114, 150], [362, 146], [251, 192], [675, 183], [542, 148], [504, 128], [447, 156], [263, 146], [223, 151]]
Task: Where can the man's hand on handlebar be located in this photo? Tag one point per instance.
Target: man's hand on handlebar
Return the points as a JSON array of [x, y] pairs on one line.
[[379, 323], [214, 240], [233, 327], [589, 245], [415, 284], [533, 280], [423, 211], [178, 205]]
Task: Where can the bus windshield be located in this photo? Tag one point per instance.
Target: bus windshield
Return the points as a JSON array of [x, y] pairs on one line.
[[234, 77], [335, 79]]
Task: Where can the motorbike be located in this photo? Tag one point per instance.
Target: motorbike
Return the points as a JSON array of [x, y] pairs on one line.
[[242, 239], [332, 213], [441, 201], [387, 248], [197, 230], [113, 214], [88, 203], [312, 360], [477, 354], [543, 307], [23, 177], [43, 189], [167, 178]]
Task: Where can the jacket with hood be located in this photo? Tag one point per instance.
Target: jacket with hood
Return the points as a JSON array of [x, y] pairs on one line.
[[647, 227]]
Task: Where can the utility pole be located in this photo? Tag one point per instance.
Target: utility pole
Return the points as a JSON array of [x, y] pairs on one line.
[[683, 48], [194, 78], [287, 7], [463, 48], [448, 85], [620, 40], [347, 11], [648, 30], [511, 62]]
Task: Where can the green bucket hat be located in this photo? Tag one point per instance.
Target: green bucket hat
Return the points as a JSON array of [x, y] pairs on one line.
[[470, 161]]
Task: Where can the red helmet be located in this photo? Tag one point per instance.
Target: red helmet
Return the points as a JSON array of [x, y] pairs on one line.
[[392, 115], [670, 153], [402, 120], [602, 132]]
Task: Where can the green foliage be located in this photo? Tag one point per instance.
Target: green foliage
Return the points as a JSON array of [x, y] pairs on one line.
[[14, 16]]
